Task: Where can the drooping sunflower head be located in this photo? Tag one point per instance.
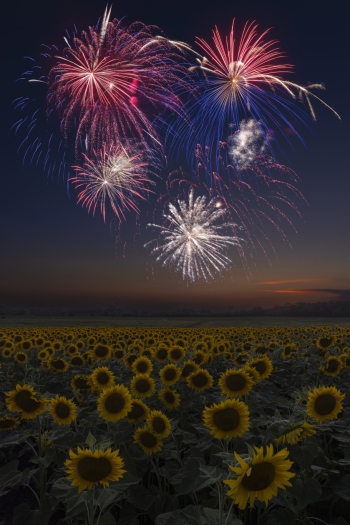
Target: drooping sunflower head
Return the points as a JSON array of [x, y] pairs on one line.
[[142, 385], [148, 441], [23, 399], [80, 382], [227, 419], [102, 378], [235, 383], [332, 366], [158, 423], [324, 403], [62, 410], [57, 365], [138, 412], [87, 468], [262, 365], [114, 403], [8, 423], [296, 433], [142, 365], [200, 380], [170, 398], [261, 477]]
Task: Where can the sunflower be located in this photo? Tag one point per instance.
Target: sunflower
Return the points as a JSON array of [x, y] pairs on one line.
[[129, 360], [241, 359], [235, 383], [158, 423], [332, 367], [292, 435], [149, 442], [102, 378], [101, 351], [62, 410], [325, 342], [114, 403], [26, 345], [77, 360], [80, 382], [8, 423], [161, 353], [138, 412], [176, 353], [142, 365], [170, 398], [200, 357], [170, 374], [142, 385], [7, 352], [57, 365], [261, 477], [262, 365], [119, 354], [23, 400], [324, 402], [21, 357], [188, 368], [227, 419], [43, 355], [200, 380], [87, 468]]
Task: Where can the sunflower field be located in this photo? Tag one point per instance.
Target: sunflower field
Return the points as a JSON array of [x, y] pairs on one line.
[[171, 426]]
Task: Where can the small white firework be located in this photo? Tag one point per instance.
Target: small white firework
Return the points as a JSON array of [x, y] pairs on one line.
[[246, 144], [195, 240]]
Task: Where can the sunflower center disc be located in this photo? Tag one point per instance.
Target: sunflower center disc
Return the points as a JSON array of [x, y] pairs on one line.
[[169, 397], [94, 469], [187, 370], [162, 354], [142, 367], [143, 386], [26, 402], [260, 366], [332, 365], [261, 477], [136, 411], [148, 440], [114, 403], [170, 374], [119, 353], [158, 425], [101, 351], [58, 364], [325, 404], [7, 423], [235, 382], [325, 342], [102, 378], [77, 361], [62, 410], [200, 380], [82, 383], [227, 419], [176, 354]]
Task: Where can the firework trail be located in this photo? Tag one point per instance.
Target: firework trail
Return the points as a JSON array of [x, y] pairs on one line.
[[118, 175], [242, 80], [194, 241]]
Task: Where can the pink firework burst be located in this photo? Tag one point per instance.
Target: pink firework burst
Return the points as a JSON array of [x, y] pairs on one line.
[[117, 175], [108, 83]]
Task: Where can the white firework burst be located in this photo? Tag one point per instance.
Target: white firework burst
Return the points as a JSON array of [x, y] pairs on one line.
[[247, 143], [196, 239], [118, 175]]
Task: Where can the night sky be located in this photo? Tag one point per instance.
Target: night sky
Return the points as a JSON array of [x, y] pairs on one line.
[[53, 253]]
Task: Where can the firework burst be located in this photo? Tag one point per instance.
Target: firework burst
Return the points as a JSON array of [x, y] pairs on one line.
[[194, 242], [118, 175]]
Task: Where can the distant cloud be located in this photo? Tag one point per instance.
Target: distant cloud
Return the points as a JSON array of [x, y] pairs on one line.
[[293, 281], [340, 294]]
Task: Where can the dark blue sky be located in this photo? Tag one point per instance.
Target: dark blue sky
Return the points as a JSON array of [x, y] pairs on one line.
[[54, 253]]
